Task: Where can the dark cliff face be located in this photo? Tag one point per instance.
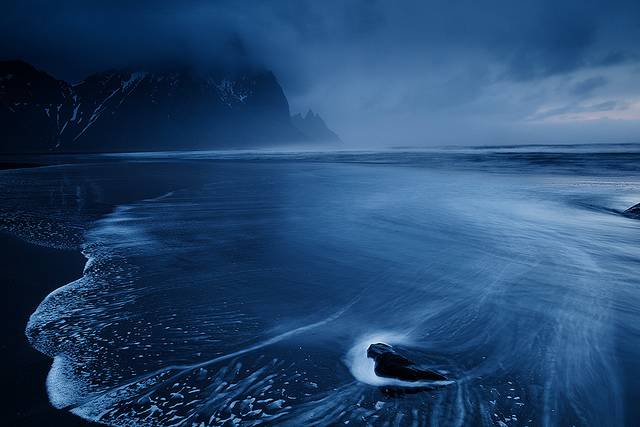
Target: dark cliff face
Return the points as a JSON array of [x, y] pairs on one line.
[[31, 103], [128, 110]]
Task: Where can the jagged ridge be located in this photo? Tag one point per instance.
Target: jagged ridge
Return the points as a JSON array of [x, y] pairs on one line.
[[125, 110], [314, 128]]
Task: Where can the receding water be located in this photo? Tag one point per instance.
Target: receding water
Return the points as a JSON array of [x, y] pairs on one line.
[[243, 288]]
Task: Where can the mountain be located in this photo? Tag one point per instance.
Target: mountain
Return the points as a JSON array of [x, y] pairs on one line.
[[134, 109], [314, 128]]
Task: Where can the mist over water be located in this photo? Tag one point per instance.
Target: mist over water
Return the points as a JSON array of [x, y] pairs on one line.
[[252, 293]]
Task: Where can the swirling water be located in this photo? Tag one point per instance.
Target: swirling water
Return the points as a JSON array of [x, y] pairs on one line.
[[251, 294]]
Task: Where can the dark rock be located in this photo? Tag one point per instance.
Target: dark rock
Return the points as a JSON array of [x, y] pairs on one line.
[[390, 364], [633, 211]]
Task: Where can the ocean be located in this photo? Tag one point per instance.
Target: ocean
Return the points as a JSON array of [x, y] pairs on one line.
[[245, 287]]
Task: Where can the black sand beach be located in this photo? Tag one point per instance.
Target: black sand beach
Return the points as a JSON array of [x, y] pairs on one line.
[[257, 287], [13, 165], [30, 272], [26, 369]]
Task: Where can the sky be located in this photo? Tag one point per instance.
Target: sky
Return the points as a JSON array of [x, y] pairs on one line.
[[381, 73]]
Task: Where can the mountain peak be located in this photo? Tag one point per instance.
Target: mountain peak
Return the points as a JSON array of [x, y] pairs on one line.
[[314, 127]]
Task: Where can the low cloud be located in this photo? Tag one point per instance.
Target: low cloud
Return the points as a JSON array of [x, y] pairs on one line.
[[591, 111], [588, 86]]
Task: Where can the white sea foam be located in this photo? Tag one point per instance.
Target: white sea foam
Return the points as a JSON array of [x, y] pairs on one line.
[[62, 386], [363, 367]]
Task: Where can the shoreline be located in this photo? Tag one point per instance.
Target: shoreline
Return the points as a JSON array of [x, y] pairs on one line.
[[26, 368]]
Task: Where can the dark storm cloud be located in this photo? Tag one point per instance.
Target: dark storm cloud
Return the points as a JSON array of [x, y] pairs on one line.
[[375, 69], [72, 38], [533, 38]]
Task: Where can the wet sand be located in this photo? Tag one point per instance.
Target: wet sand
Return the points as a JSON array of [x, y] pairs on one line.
[[28, 275]]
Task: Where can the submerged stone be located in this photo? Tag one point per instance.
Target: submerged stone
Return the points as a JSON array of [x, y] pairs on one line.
[[633, 211], [390, 364]]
